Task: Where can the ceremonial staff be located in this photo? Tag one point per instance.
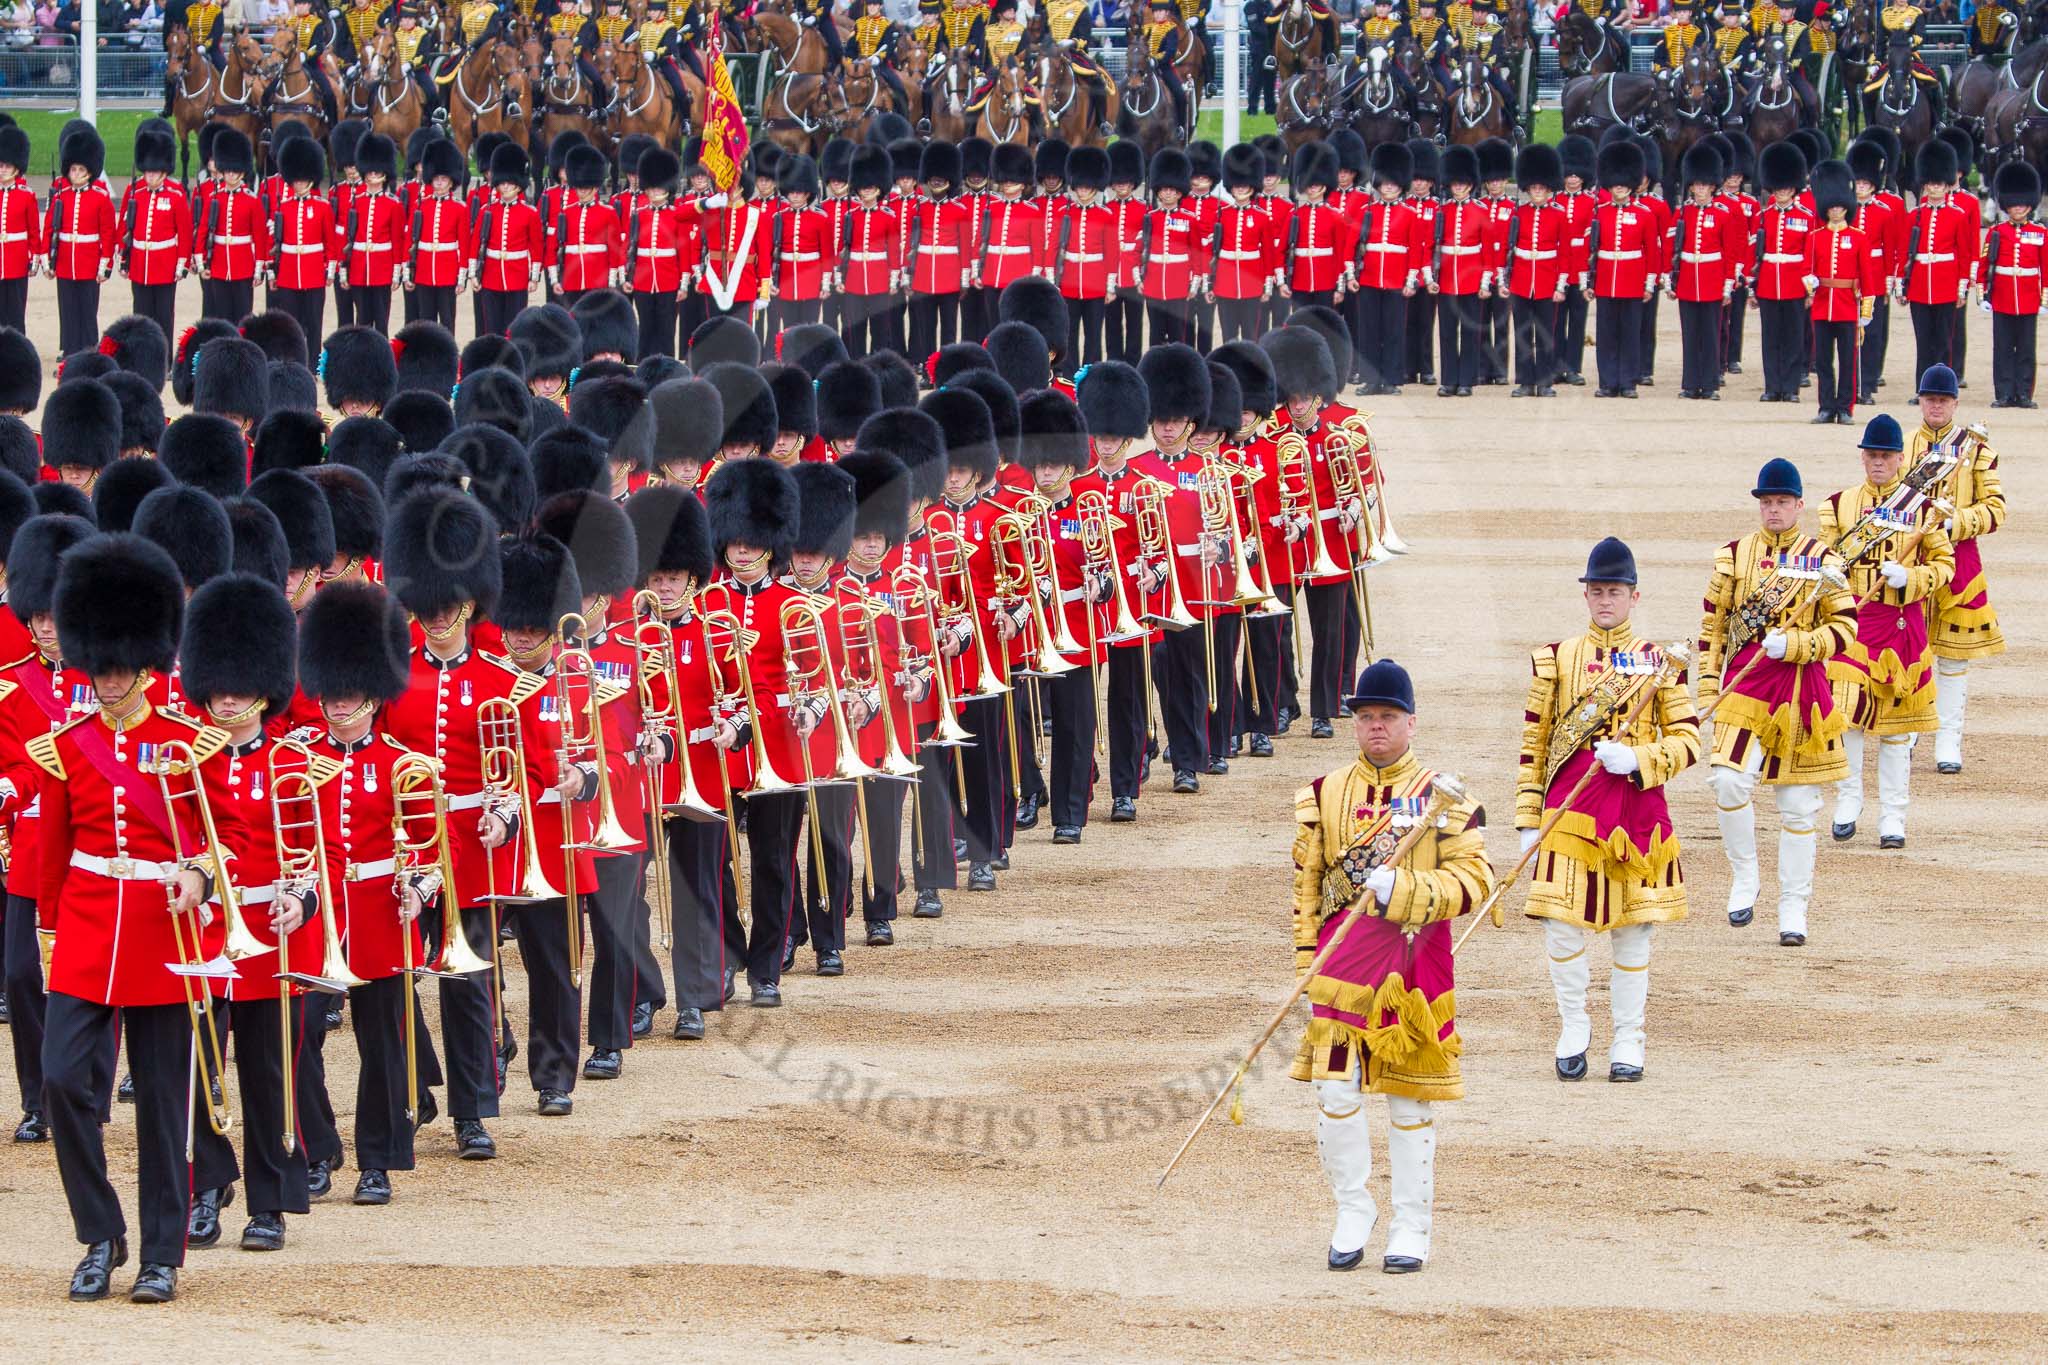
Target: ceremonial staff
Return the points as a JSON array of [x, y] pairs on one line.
[[1444, 792]]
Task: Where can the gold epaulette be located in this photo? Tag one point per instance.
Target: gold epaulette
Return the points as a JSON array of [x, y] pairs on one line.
[[210, 740], [1544, 662], [607, 693], [8, 689], [323, 769], [1307, 808], [529, 686], [43, 750]]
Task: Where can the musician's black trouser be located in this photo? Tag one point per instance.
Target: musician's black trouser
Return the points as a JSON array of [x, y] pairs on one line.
[[1328, 606], [384, 1140], [26, 1002], [882, 810], [1124, 713], [823, 923], [932, 866], [77, 1080], [319, 1134], [774, 826], [553, 1004], [273, 1180], [700, 885], [1265, 645], [1223, 711], [986, 792], [1070, 700], [657, 313], [609, 964], [469, 1031]]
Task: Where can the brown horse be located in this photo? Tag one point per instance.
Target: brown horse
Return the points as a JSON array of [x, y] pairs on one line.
[[796, 115], [238, 94], [565, 97], [1476, 112], [857, 95], [491, 93], [384, 92], [1006, 114], [1069, 106], [913, 61], [952, 84], [1304, 106], [195, 91], [289, 91], [643, 103], [1297, 41], [1147, 112], [798, 49]]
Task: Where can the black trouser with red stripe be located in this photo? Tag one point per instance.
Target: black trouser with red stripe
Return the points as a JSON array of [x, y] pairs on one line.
[[985, 794], [1223, 710], [26, 1002], [157, 302], [1124, 711], [1265, 645], [700, 885], [613, 977], [774, 826], [1070, 701], [273, 1180], [376, 1011], [469, 1031], [823, 923], [319, 1134], [882, 810], [932, 866], [1180, 675], [553, 1006]]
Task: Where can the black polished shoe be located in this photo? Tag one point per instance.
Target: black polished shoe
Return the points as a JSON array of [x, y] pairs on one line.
[[32, 1128], [1741, 917], [1346, 1260], [643, 1019], [1623, 1072], [7, 1017], [555, 1104], [765, 995], [689, 1025], [1734, 367], [1523, 391], [91, 1280], [789, 955], [981, 877], [1217, 767], [1604, 392], [1464, 390], [154, 1283], [507, 1050], [1575, 379], [333, 1017], [1447, 391], [1545, 391], [1236, 746], [1066, 834], [472, 1143], [1401, 1265], [1948, 769], [880, 935], [831, 964], [1284, 718], [1321, 729], [1891, 841], [1027, 813], [264, 1233], [604, 1064], [1787, 939], [1122, 810], [959, 850], [1572, 1068], [124, 1093], [373, 1187], [1843, 830], [1260, 746], [1630, 393], [320, 1176], [1185, 783], [430, 1109], [202, 1224], [1001, 862], [732, 976], [1821, 420], [927, 906]]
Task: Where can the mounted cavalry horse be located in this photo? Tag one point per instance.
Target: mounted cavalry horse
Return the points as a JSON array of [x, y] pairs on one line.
[[288, 89], [1297, 41], [948, 86], [384, 91], [1067, 102], [1306, 105], [1373, 102], [1586, 47], [642, 101], [201, 92], [1592, 104], [1899, 103], [1772, 109], [492, 92], [2019, 59], [1148, 113], [1475, 112], [1006, 114], [1699, 101], [565, 97]]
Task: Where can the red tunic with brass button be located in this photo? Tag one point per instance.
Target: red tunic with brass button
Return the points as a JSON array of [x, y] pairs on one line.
[[1941, 254], [1061, 525], [940, 230], [1166, 249], [42, 697], [376, 240], [974, 520], [81, 232], [157, 229], [612, 652], [1130, 219], [1536, 251], [541, 719], [438, 242], [1085, 254], [233, 236], [736, 242], [1180, 474], [759, 611], [914, 633], [1393, 249], [1460, 255], [1780, 259], [254, 872], [21, 230], [509, 246], [872, 251], [1243, 249], [586, 247], [804, 252], [1625, 251], [307, 239], [1320, 244], [1706, 252], [886, 631], [1012, 232], [2010, 272], [693, 667], [1578, 225], [1845, 268], [355, 814], [103, 857], [1118, 488]]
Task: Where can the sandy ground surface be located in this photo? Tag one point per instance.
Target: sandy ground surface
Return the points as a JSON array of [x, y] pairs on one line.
[[949, 1153]]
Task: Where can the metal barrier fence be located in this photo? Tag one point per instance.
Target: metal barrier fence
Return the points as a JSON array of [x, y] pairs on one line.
[[1947, 45], [50, 72]]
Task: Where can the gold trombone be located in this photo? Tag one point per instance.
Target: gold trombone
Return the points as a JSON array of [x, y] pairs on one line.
[[914, 596], [1366, 551], [578, 697], [807, 662], [1384, 533], [1099, 525], [174, 758], [417, 800], [654, 660], [502, 735], [954, 596], [856, 616], [300, 837]]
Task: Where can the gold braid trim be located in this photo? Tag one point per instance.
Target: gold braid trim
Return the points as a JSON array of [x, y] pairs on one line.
[[1616, 856], [1404, 1057]]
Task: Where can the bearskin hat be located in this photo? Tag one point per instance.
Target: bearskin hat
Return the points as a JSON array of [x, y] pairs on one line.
[[192, 527], [289, 440], [232, 154], [975, 154], [747, 403], [1954, 134], [1780, 166], [599, 537], [956, 358], [660, 170], [1253, 370], [345, 137], [85, 365], [1935, 165], [1037, 302], [538, 582], [1226, 400], [510, 165], [1171, 170], [995, 391], [567, 458], [14, 148], [1009, 164], [496, 396], [940, 161], [881, 494], [835, 161], [1087, 168], [301, 509], [53, 496], [1049, 161], [1301, 362], [811, 346], [16, 507], [425, 357], [826, 498], [293, 388], [138, 346], [119, 605], [231, 376], [241, 639], [354, 641], [369, 444], [609, 326], [689, 420], [21, 373], [434, 469], [895, 375], [870, 169], [1244, 167], [358, 367], [34, 557], [1352, 154], [549, 341], [441, 551], [1113, 401], [258, 541], [1051, 432], [913, 437], [207, 452], [967, 429], [377, 154], [300, 161], [1866, 161], [417, 143], [631, 148], [2017, 185], [82, 147], [670, 532], [656, 369], [116, 493], [1324, 321], [1537, 164], [1576, 153], [82, 425], [184, 357], [18, 453], [906, 155], [585, 168], [1126, 162], [1176, 382], [1019, 355], [887, 128], [1833, 188], [355, 509], [753, 502], [847, 395], [1460, 166], [615, 410], [1620, 166], [500, 475], [1315, 164], [796, 406], [723, 340]]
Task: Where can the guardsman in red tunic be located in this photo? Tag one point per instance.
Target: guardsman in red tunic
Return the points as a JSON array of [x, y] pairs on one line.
[[1845, 272], [156, 233], [231, 243], [1320, 241], [1205, 168], [112, 854], [353, 647], [306, 239], [1734, 175], [1941, 257], [2009, 282], [939, 225], [1880, 216], [1779, 263], [1707, 251], [1392, 254], [82, 234], [1578, 202], [1458, 273], [870, 256], [1166, 249], [1626, 257], [1123, 336], [22, 246], [507, 244], [1084, 258], [239, 661], [587, 249], [1010, 231], [803, 247], [658, 251], [376, 239], [1496, 179], [1533, 270], [736, 237], [1243, 247]]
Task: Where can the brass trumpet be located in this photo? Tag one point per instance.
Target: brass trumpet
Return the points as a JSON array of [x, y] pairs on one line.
[[419, 847], [174, 758]]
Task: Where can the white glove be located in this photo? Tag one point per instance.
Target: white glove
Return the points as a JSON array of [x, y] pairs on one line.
[[1894, 574], [714, 201], [1618, 759], [1381, 884], [1529, 839], [1775, 644]]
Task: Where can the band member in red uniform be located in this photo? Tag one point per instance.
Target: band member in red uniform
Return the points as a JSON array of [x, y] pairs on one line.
[[1245, 246], [306, 238], [870, 256], [1321, 242], [1533, 270], [2009, 281], [1177, 389], [507, 243], [377, 240], [232, 240], [1707, 250], [802, 246], [587, 248], [82, 234], [1624, 258], [1249, 447], [1941, 257], [22, 245], [156, 234], [239, 662], [109, 864], [1778, 260]]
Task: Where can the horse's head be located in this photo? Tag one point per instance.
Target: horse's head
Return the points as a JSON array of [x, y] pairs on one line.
[[561, 53]]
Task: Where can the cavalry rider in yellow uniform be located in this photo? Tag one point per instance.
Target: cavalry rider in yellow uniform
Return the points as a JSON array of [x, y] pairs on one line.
[[415, 46], [1069, 24], [1162, 40], [660, 41], [316, 37], [1318, 10], [1000, 38], [1992, 30], [202, 24], [1191, 13], [962, 27], [930, 32], [579, 28], [1900, 21], [1476, 29], [1380, 29], [1768, 22], [1677, 38], [1732, 41], [875, 38], [817, 14], [474, 19]]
